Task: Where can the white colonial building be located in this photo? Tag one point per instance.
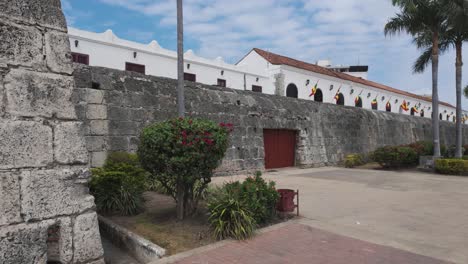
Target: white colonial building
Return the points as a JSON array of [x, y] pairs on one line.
[[258, 71]]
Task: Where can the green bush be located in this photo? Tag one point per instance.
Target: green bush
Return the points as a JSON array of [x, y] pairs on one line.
[[259, 196], [450, 151], [426, 148], [452, 166], [229, 216], [395, 157], [354, 160], [181, 154], [119, 185]]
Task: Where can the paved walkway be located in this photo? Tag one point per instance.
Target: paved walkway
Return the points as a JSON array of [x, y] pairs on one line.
[[297, 243], [394, 212]]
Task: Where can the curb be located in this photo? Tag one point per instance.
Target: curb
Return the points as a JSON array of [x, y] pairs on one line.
[[138, 247]]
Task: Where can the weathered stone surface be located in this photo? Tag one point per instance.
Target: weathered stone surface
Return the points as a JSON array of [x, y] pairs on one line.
[[87, 239], [100, 261], [94, 96], [9, 198], [98, 159], [98, 127], [32, 94], [24, 243], [20, 45], [44, 12], [70, 145], [24, 144], [326, 132], [96, 143], [60, 248], [96, 112], [58, 57], [48, 193]]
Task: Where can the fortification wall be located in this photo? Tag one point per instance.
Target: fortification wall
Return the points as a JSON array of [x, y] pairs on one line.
[[46, 213], [116, 105]]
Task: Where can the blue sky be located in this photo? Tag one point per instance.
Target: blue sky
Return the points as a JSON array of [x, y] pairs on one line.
[[344, 31]]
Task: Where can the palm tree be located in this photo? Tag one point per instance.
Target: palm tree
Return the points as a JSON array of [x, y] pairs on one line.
[[455, 33], [418, 17]]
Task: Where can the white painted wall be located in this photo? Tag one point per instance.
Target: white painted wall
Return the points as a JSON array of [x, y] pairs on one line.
[[107, 50], [299, 77]]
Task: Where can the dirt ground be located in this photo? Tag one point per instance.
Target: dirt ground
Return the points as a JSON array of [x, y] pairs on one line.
[[159, 225]]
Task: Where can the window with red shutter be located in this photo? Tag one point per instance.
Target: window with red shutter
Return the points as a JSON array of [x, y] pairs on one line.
[[80, 58], [256, 88], [221, 83], [135, 67], [190, 77]]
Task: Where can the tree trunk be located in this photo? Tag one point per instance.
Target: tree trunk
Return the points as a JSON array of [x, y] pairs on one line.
[[435, 93], [180, 60], [458, 67], [180, 207]]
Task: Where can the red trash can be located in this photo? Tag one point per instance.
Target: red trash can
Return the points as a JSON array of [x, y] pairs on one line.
[[286, 200]]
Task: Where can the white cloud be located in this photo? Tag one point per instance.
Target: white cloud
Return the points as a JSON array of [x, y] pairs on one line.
[[345, 31]]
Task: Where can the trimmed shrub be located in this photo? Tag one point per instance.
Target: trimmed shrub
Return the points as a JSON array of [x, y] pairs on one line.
[[450, 152], [254, 201], [119, 185], [229, 216], [181, 155], [353, 160], [426, 148], [395, 157], [452, 166], [259, 196]]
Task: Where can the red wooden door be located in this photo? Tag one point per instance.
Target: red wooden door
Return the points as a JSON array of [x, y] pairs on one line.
[[280, 148]]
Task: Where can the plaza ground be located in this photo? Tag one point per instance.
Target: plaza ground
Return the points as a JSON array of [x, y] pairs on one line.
[[359, 216]]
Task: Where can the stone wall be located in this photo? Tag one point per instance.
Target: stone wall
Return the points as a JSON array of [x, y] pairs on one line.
[[46, 213], [116, 105]]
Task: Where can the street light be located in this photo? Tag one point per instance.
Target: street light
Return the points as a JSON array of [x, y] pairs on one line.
[[180, 60]]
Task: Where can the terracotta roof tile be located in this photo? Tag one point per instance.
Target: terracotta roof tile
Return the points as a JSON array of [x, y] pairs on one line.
[[282, 60]]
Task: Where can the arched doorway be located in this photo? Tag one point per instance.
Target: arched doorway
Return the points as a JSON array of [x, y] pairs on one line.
[[318, 97], [358, 102], [388, 107], [440, 117], [374, 105], [291, 90], [340, 99], [454, 120], [422, 113], [448, 118], [412, 111]]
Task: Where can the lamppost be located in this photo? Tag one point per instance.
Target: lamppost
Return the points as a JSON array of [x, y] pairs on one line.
[[180, 60]]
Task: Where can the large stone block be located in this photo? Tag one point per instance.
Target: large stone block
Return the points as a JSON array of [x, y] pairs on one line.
[[96, 112], [98, 159], [96, 143], [44, 12], [70, 144], [48, 193], [94, 96], [9, 198], [24, 243], [25, 144], [33, 94], [20, 45], [58, 56], [98, 127], [87, 239]]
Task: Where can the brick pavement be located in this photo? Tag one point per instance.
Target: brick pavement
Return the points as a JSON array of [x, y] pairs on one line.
[[297, 243]]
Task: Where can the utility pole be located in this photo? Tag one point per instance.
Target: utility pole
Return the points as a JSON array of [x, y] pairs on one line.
[[180, 60]]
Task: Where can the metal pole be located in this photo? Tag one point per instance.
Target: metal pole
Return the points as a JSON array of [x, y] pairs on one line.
[[180, 60]]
